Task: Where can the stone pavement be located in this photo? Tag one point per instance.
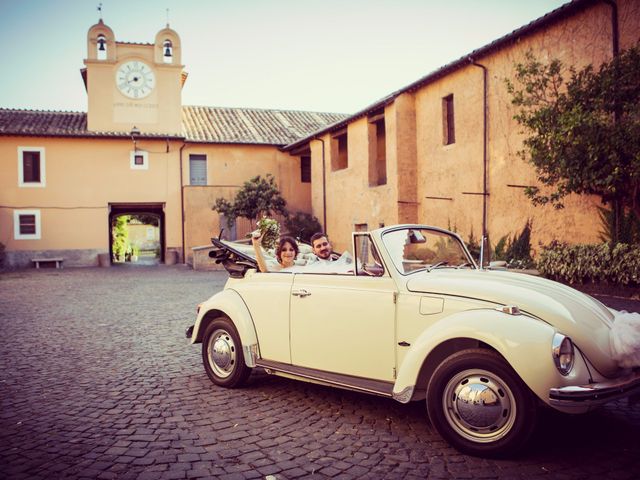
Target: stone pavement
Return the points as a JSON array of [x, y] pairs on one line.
[[98, 381]]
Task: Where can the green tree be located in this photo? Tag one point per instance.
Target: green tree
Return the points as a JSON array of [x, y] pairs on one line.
[[120, 234], [257, 197], [302, 226], [583, 134]]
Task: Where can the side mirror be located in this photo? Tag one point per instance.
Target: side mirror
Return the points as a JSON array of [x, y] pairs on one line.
[[416, 237]]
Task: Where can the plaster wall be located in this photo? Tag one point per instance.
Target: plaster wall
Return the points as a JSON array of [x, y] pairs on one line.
[[449, 171], [82, 177], [442, 185], [110, 110], [349, 198], [228, 167]]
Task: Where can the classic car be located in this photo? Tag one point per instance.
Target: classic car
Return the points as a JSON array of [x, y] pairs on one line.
[[409, 315]]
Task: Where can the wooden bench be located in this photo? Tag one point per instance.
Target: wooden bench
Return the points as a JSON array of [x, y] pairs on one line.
[[38, 261]]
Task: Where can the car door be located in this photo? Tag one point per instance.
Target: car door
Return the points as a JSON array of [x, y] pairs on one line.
[[344, 324], [267, 295]]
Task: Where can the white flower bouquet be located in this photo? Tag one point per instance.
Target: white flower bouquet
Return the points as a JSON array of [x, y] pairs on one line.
[[269, 229]]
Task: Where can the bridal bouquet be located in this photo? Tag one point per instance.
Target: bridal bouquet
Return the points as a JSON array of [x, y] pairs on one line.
[[270, 231]]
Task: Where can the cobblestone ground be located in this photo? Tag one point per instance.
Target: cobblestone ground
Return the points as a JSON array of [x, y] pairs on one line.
[[98, 381]]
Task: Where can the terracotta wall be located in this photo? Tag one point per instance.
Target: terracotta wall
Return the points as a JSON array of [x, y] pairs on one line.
[[421, 166], [82, 177], [110, 110], [349, 198], [228, 167]]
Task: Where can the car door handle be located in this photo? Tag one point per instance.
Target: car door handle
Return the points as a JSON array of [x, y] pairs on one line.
[[300, 293]]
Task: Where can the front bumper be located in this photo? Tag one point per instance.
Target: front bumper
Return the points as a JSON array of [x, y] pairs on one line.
[[595, 393]]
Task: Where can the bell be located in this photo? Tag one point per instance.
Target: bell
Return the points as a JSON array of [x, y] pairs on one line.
[[167, 52], [101, 43]]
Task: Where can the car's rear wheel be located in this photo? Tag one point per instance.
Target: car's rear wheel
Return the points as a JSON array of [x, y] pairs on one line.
[[222, 354], [479, 404]]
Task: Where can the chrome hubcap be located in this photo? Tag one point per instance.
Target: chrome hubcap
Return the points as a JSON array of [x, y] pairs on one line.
[[479, 405], [222, 353]]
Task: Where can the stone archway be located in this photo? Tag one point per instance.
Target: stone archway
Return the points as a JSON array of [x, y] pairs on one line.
[[155, 210]]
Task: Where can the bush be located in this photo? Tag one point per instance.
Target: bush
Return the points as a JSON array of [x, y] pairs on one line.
[[473, 245], [618, 265], [516, 251], [500, 249], [302, 226]]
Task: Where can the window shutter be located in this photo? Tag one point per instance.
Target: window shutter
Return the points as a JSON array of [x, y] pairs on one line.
[[198, 169]]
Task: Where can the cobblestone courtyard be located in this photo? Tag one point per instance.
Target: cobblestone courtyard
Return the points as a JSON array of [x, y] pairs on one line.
[[98, 381]]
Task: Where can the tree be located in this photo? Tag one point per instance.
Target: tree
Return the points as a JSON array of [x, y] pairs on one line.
[[120, 234], [302, 226], [257, 197], [583, 134]]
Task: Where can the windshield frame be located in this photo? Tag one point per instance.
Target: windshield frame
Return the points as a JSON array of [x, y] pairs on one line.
[[462, 245]]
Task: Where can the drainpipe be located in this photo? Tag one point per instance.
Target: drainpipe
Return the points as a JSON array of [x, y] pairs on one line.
[[616, 112], [614, 26], [485, 155], [324, 190], [184, 257]]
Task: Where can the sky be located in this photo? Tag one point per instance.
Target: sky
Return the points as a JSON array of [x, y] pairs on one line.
[[316, 55]]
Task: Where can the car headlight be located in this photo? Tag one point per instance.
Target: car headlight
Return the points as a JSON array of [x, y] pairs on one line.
[[563, 353]]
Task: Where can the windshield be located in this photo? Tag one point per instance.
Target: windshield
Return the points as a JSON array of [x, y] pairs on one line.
[[414, 249]]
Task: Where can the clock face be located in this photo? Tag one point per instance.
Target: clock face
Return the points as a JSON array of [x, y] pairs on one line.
[[135, 79]]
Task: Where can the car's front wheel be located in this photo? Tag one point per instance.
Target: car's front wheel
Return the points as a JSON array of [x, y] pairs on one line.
[[222, 354], [479, 404]]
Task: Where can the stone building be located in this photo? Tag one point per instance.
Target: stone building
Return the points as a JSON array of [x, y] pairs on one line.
[[440, 151]]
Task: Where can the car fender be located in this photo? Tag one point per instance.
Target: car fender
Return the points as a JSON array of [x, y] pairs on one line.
[[523, 341], [229, 303]]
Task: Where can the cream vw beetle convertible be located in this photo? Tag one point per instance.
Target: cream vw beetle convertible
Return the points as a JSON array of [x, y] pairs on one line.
[[410, 316]]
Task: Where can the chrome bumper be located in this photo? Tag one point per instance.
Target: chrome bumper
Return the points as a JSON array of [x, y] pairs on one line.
[[595, 393]]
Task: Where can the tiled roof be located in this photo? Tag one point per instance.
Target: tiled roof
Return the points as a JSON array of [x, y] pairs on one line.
[[200, 124], [550, 18], [249, 125], [35, 122]]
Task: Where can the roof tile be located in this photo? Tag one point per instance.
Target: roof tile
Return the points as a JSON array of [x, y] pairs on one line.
[[199, 124]]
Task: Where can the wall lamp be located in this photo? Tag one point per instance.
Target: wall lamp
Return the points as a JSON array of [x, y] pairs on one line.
[[135, 133]]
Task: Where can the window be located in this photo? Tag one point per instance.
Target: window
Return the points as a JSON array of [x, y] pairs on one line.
[[26, 224], [305, 169], [139, 160], [339, 151], [377, 151], [368, 262], [31, 167], [198, 169], [448, 123]]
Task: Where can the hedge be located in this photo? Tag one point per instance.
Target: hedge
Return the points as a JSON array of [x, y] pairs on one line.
[[618, 265]]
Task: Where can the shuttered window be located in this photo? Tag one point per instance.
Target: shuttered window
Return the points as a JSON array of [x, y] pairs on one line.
[[26, 224], [448, 122], [198, 169], [31, 167], [305, 169]]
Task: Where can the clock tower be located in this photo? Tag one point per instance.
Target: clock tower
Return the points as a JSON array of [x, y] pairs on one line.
[[133, 84]]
